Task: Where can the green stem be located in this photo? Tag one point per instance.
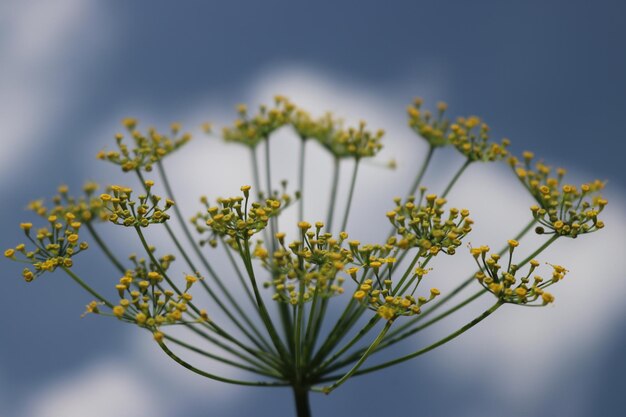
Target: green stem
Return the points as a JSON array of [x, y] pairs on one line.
[[162, 271], [301, 397], [333, 195], [195, 246], [216, 377], [252, 361], [388, 342], [422, 171], [301, 180], [364, 330], [240, 276], [350, 195], [86, 287], [256, 175], [105, 248], [443, 341], [298, 331], [268, 177], [267, 320], [456, 178], [443, 300], [392, 339], [218, 358], [357, 365], [283, 310], [214, 297]]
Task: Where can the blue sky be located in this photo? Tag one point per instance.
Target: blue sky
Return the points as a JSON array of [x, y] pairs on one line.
[[548, 76]]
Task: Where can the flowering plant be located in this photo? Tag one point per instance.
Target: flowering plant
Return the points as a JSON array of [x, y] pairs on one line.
[[281, 328]]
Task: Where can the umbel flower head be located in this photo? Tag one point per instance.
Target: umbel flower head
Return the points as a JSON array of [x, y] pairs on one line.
[[85, 208], [125, 211], [308, 127], [53, 246], [434, 129], [147, 148], [330, 132], [470, 136], [377, 290], [250, 130], [307, 267], [237, 217], [425, 225], [145, 302], [508, 284], [353, 142], [387, 304], [561, 209]]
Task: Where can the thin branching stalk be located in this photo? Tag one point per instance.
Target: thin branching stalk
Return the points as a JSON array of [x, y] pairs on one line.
[[346, 215], [443, 341], [104, 248], [216, 377], [333, 195]]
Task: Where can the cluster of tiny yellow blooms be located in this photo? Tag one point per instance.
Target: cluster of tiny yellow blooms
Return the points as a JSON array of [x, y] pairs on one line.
[[124, 211], [54, 246], [424, 225], [470, 136], [504, 284], [563, 209], [86, 208], [308, 127], [145, 302], [252, 130], [149, 148], [381, 299], [354, 142], [434, 130], [308, 267], [236, 217]]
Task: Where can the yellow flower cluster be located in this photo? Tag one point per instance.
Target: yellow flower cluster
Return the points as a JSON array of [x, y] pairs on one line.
[[381, 299], [251, 130], [147, 149], [308, 127], [86, 208], [237, 218], [307, 267], [470, 136], [54, 246], [562, 209], [506, 286], [145, 302], [351, 142], [354, 142], [124, 211], [423, 225], [434, 130]]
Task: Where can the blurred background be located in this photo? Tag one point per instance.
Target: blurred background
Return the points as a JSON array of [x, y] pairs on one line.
[[547, 75]]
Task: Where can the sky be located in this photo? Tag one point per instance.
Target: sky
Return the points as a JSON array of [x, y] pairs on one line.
[[547, 76]]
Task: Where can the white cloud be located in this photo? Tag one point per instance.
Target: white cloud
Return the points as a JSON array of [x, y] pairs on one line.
[[103, 389], [38, 40]]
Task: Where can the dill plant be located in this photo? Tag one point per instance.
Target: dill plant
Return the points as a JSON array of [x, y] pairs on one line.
[[281, 330]]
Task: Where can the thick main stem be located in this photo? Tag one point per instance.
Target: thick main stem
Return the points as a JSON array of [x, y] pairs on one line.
[[301, 397]]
